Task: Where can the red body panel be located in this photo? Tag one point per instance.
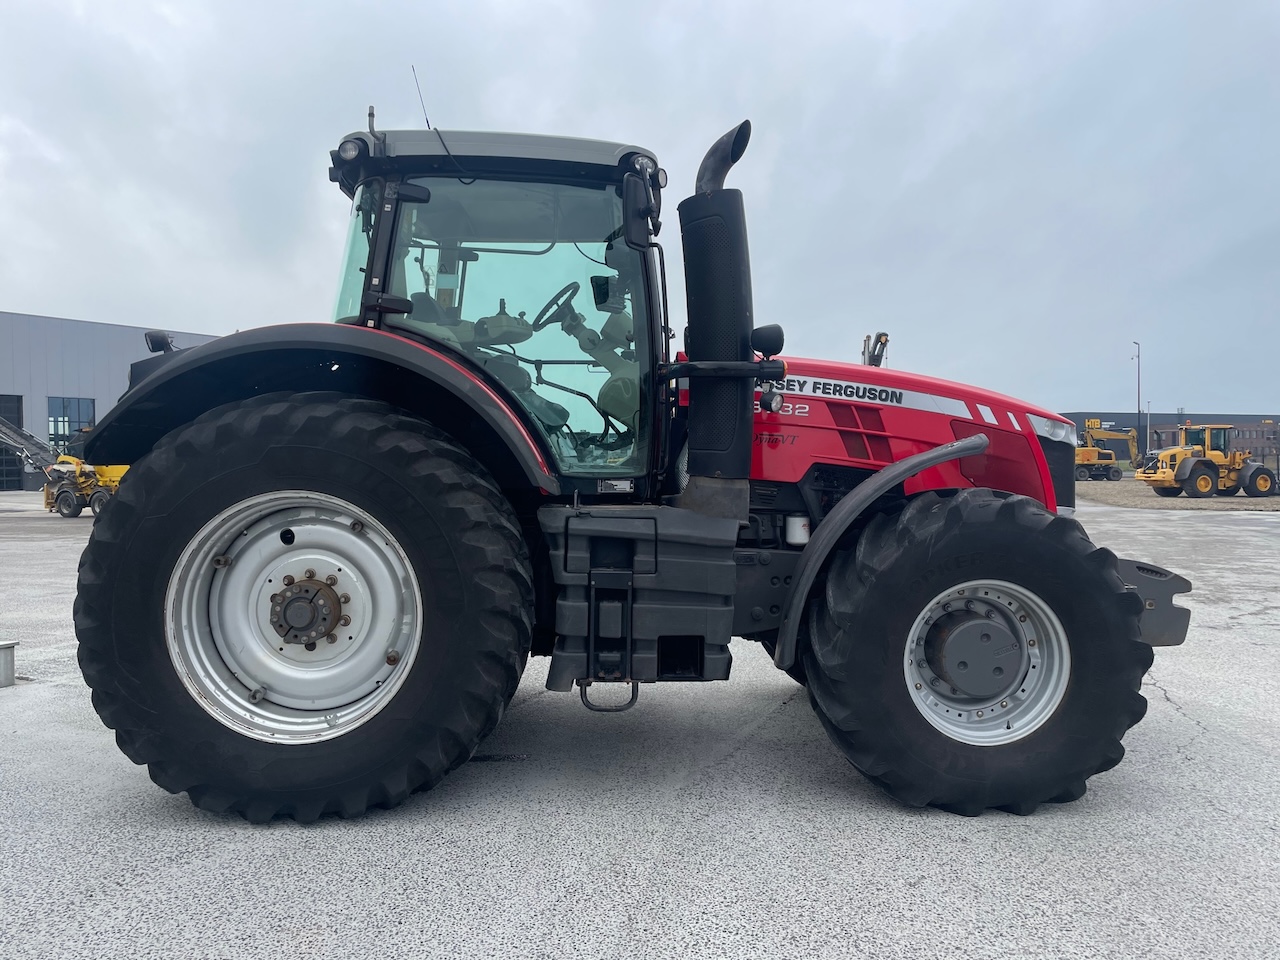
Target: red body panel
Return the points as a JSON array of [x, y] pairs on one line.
[[868, 417]]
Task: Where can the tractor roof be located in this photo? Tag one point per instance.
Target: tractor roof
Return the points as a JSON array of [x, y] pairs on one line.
[[523, 146], [481, 152]]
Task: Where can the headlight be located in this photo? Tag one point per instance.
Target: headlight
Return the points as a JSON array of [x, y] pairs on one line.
[[1060, 430], [349, 149]]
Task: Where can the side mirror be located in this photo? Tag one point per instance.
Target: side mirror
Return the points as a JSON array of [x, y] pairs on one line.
[[768, 340], [158, 341]]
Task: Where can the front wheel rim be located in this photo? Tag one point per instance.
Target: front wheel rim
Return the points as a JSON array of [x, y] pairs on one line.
[[255, 610], [1038, 670]]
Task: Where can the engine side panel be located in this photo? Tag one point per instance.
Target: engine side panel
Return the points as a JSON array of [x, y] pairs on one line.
[[867, 418]]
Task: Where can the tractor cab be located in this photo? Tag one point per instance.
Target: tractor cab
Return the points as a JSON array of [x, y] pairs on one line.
[[531, 263]]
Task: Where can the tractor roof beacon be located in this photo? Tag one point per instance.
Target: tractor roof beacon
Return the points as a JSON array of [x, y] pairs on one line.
[[338, 543]]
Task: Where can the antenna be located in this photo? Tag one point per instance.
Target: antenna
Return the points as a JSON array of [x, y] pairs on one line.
[[420, 100]]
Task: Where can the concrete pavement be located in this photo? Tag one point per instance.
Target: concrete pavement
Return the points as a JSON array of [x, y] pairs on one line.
[[710, 821]]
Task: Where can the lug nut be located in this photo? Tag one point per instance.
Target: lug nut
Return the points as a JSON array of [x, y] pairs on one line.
[[393, 657], [934, 682], [356, 526], [345, 598], [257, 695], [344, 621], [332, 638], [991, 614], [308, 574], [288, 581], [331, 580]]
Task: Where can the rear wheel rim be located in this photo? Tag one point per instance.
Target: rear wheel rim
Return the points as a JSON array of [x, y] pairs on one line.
[[229, 584], [1037, 676]]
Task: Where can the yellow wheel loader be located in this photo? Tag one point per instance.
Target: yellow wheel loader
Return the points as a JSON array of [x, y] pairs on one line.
[[1200, 465]]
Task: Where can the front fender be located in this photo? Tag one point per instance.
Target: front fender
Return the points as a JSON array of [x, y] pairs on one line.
[[838, 521], [166, 393]]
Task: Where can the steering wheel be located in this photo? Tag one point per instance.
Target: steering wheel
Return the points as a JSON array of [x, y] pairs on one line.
[[561, 299]]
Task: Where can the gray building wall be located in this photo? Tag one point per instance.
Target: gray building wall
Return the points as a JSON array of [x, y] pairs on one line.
[[43, 357]]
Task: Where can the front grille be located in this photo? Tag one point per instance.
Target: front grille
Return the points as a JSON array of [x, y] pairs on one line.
[[1062, 470]]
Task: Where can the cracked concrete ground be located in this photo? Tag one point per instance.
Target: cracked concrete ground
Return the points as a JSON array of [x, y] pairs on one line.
[[710, 821]]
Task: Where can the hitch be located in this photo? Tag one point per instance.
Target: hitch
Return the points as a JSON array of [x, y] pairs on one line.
[[596, 708]]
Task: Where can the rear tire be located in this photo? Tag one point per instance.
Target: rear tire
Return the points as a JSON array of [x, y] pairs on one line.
[[1115, 473], [1168, 491], [175, 600], [98, 500], [1082, 474], [67, 505], [927, 746], [1201, 482], [1261, 484]]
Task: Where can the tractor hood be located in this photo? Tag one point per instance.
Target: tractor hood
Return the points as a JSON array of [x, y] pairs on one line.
[[851, 381]]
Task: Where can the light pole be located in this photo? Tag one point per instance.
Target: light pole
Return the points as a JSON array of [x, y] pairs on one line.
[[1142, 447]]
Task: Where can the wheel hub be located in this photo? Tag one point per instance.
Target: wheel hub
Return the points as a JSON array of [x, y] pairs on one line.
[[973, 653], [987, 662], [306, 612]]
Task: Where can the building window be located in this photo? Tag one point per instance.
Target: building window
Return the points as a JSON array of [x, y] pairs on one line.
[[66, 416], [10, 464]]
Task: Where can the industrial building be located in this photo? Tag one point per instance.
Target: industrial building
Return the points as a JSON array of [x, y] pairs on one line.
[[58, 376]]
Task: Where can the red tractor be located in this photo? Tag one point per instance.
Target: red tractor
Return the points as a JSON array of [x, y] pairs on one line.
[[339, 543]]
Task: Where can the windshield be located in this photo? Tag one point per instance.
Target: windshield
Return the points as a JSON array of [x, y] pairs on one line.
[[1195, 438], [531, 282]]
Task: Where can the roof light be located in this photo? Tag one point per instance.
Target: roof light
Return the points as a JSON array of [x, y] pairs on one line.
[[349, 149]]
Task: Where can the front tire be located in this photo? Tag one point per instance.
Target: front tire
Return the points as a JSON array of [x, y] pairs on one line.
[[67, 505], [1201, 482], [1168, 491], [977, 651], [404, 560]]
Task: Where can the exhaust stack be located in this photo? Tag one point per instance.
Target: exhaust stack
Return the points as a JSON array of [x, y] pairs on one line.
[[718, 294]]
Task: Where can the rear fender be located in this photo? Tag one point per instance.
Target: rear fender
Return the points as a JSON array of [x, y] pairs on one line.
[[323, 356]]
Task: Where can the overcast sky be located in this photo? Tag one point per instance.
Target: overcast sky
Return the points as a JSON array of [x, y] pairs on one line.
[[1014, 191]]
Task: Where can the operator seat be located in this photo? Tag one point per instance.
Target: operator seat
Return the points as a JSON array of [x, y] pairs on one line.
[[430, 320]]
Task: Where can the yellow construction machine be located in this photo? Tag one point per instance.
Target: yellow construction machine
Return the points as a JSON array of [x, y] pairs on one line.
[[1201, 465], [1096, 462], [73, 485], [70, 483]]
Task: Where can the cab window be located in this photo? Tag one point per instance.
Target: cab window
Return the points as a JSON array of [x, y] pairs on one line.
[[532, 283]]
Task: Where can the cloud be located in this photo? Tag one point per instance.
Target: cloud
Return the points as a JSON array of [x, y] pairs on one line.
[[1015, 192]]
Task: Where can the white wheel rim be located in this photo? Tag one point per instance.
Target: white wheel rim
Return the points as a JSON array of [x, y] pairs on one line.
[[1036, 686], [232, 658]]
